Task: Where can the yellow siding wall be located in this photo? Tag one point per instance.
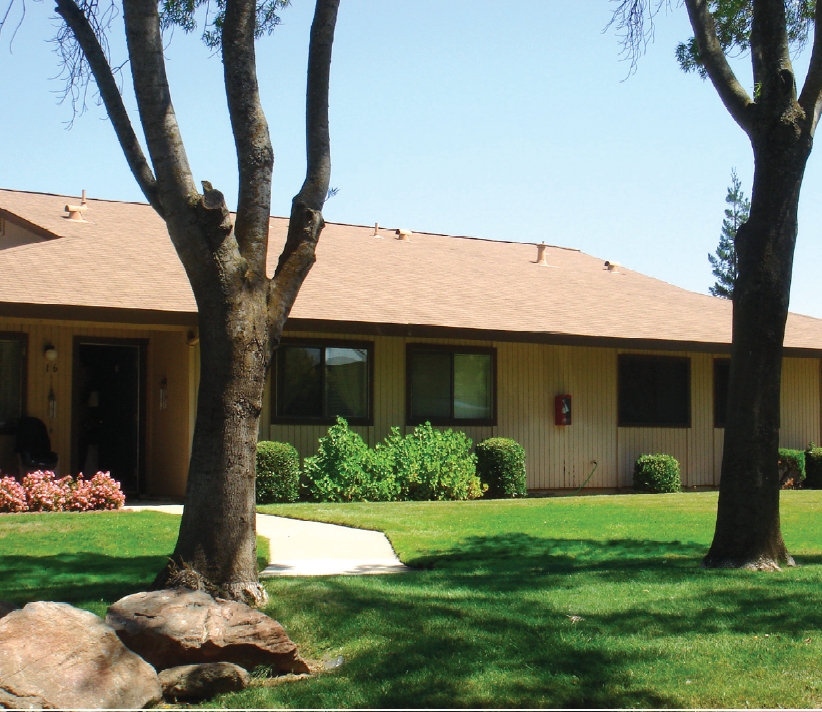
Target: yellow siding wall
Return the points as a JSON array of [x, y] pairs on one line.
[[562, 457], [167, 431], [528, 378]]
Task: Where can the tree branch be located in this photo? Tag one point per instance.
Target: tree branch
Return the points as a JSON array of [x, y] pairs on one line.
[[811, 97], [255, 157], [165, 144], [306, 221], [318, 143], [79, 24], [733, 95], [770, 55]]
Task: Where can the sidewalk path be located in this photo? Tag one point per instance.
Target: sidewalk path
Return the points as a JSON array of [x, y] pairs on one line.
[[300, 548]]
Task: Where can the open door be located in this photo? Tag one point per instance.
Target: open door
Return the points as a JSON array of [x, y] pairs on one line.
[[108, 408]]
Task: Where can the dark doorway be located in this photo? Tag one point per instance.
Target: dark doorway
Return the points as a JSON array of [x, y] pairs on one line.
[[108, 410]]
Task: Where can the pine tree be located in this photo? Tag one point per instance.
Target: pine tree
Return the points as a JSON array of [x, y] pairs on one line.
[[724, 266]]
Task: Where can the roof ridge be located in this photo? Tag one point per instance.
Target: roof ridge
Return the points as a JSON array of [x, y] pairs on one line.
[[282, 217]]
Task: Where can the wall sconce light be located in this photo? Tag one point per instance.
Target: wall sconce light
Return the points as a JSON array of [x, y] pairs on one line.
[[50, 354]]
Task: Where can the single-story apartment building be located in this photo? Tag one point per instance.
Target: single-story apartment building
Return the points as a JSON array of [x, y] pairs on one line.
[[581, 360]]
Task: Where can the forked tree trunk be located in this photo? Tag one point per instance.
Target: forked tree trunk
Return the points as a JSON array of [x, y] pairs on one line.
[[748, 533]]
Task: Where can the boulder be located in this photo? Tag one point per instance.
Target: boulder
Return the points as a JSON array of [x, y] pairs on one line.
[[55, 656], [199, 682], [179, 626], [7, 607]]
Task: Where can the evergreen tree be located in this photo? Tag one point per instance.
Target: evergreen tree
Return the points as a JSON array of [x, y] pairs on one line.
[[724, 265]]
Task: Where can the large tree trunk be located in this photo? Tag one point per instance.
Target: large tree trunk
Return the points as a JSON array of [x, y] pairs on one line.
[[218, 530], [748, 531]]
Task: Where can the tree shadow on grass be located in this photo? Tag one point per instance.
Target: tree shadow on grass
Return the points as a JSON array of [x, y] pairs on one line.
[[487, 624], [75, 577]]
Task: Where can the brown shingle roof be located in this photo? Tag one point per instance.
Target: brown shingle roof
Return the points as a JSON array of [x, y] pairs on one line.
[[122, 258]]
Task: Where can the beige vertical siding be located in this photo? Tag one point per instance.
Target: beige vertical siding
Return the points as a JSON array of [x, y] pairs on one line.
[[799, 416], [529, 376], [167, 432]]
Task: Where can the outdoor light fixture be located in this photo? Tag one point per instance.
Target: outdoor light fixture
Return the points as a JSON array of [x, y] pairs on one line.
[[50, 353]]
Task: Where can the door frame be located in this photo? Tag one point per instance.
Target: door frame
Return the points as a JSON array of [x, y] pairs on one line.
[[142, 375]]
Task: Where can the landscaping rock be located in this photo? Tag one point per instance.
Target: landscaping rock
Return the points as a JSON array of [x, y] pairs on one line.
[[199, 682], [55, 656], [7, 607], [180, 626], [12, 702]]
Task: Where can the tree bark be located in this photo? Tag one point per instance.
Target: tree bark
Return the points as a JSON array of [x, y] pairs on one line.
[[748, 533], [218, 531]]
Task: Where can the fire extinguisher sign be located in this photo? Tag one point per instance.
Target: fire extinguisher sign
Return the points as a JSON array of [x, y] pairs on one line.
[[562, 410]]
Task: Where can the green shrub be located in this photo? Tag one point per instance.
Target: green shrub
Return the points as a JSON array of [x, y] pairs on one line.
[[433, 465], [657, 473], [278, 473], [424, 465], [501, 465], [345, 470], [791, 467], [813, 467]]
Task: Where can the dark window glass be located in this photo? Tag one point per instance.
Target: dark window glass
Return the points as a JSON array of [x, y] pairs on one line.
[[472, 386], [322, 382], [654, 391], [300, 394], [346, 382], [11, 383], [722, 374], [447, 386], [431, 385]]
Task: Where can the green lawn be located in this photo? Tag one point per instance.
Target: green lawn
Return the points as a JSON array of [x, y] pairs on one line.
[[589, 601]]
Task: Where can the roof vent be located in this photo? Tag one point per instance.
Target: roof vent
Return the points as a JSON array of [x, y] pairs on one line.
[[403, 234], [377, 230], [612, 266], [541, 249], [75, 212]]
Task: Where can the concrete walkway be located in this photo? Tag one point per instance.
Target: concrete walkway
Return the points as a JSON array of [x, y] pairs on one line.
[[299, 548]]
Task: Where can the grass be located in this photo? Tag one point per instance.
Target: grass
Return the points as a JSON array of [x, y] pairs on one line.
[[566, 602], [89, 559]]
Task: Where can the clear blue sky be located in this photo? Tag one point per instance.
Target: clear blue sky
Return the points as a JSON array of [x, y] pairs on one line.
[[504, 121]]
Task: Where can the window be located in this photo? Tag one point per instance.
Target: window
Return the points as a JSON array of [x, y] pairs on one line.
[[12, 380], [654, 391], [450, 385], [316, 382], [722, 374]]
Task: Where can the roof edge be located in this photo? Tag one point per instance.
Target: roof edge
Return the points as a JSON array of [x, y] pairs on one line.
[[21, 222], [109, 315], [421, 331]]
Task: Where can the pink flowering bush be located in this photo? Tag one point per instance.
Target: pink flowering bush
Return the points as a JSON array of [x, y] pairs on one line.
[[12, 496], [42, 492], [100, 492], [46, 494]]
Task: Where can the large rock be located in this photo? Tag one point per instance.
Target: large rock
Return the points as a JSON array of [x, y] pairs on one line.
[[55, 656], [199, 682], [180, 626]]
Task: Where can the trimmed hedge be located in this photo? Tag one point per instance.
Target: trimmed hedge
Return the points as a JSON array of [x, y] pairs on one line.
[[501, 466], [657, 474], [813, 468], [278, 472], [791, 467]]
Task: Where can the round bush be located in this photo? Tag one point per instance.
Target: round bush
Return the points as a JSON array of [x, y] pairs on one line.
[[501, 465], [657, 474], [278, 473]]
